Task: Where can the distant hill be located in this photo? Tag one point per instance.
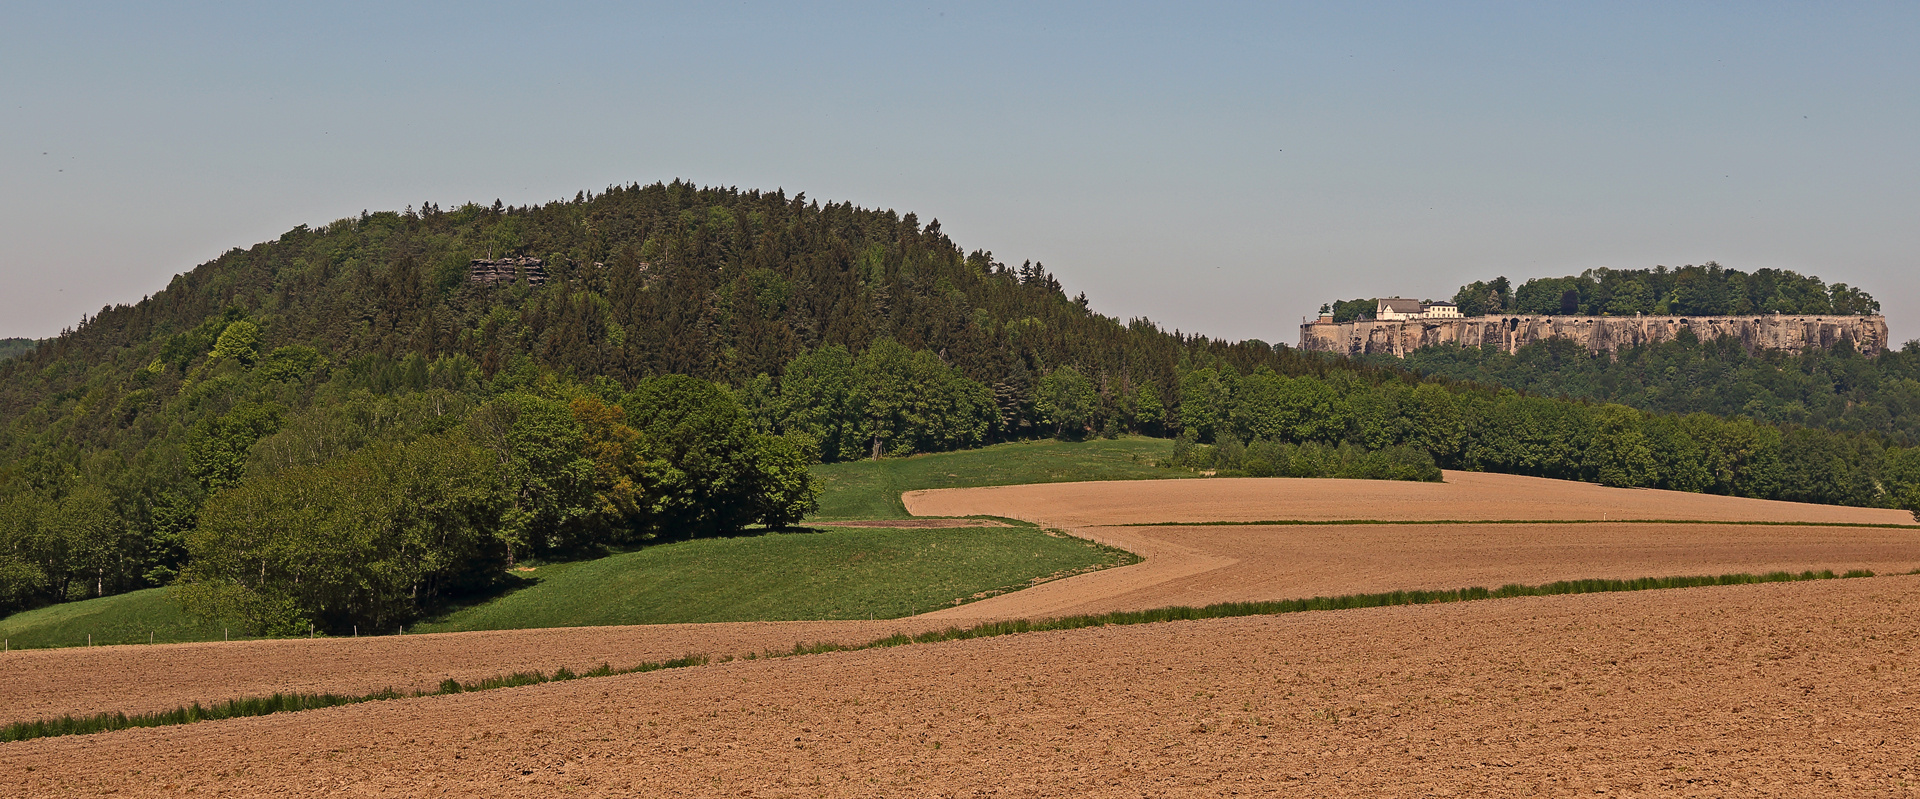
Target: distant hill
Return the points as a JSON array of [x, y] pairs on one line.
[[14, 347]]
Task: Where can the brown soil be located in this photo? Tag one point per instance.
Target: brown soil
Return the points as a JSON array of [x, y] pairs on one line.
[[1806, 689], [1464, 495], [1205, 565], [43, 683]]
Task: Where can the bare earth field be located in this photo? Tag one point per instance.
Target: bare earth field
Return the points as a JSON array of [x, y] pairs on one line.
[[42, 683], [1783, 689], [1464, 496], [1804, 689], [1207, 565]]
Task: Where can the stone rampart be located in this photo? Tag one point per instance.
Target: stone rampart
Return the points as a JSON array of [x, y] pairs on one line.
[[1794, 334]]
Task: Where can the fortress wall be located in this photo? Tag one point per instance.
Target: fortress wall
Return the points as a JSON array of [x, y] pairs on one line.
[[1794, 334]]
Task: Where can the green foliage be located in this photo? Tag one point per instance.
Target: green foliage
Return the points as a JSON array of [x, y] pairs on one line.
[[1903, 479], [1835, 389], [1264, 458], [1149, 411], [550, 478], [15, 347], [816, 400], [368, 539], [239, 342], [1705, 290], [135, 617], [1482, 297], [218, 450], [872, 489], [1066, 400], [1350, 310], [711, 481], [291, 363], [832, 573]]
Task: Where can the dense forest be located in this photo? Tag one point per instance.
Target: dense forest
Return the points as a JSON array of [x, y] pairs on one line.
[[1836, 389], [345, 427], [11, 347], [1705, 290]]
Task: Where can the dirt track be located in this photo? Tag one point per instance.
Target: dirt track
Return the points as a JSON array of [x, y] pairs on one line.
[[1804, 689], [1464, 495]]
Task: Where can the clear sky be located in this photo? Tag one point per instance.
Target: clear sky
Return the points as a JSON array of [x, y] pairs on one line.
[[1218, 168]]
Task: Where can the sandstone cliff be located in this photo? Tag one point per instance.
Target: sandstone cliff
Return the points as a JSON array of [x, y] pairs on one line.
[[1793, 334]]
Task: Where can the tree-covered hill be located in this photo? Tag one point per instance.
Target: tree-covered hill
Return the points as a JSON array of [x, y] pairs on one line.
[[557, 410]]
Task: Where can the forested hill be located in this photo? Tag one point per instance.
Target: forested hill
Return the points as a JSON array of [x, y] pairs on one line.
[[643, 280], [561, 408]]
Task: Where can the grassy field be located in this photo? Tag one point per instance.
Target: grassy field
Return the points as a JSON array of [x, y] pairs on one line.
[[832, 574], [121, 619], [872, 489], [836, 573]]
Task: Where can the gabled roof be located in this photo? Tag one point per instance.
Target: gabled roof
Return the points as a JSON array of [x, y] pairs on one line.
[[1399, 305]]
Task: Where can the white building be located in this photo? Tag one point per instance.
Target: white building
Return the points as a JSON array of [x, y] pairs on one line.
[[1396, 308]]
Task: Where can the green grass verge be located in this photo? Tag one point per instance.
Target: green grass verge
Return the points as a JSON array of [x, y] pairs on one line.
[[131, 618], [283, 703], [872, 489], [831, 573]]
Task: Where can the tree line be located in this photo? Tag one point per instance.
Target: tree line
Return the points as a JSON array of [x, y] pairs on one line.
[[1501, 430], [393, 488], [1834, 389], [1708, 289]]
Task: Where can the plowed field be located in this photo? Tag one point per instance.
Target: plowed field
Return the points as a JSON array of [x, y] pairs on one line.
[[1205, 565], [51, 682], [1784, 689], [1804, 689], [1464, 495]]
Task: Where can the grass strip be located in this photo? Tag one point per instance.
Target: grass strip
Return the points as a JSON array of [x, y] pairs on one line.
[[1339, 522], [286, 703]]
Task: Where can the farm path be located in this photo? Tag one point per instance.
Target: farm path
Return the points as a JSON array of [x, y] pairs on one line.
[[1205, 564]]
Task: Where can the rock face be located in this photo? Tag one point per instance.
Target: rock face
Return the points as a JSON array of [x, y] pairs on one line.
[[1793, 334], [492, 272]]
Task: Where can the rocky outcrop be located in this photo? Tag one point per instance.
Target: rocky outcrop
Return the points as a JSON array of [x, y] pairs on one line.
[[493, 272], [1793, 334]]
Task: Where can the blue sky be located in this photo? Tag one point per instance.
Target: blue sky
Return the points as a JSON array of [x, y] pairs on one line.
[[1218, 168]]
